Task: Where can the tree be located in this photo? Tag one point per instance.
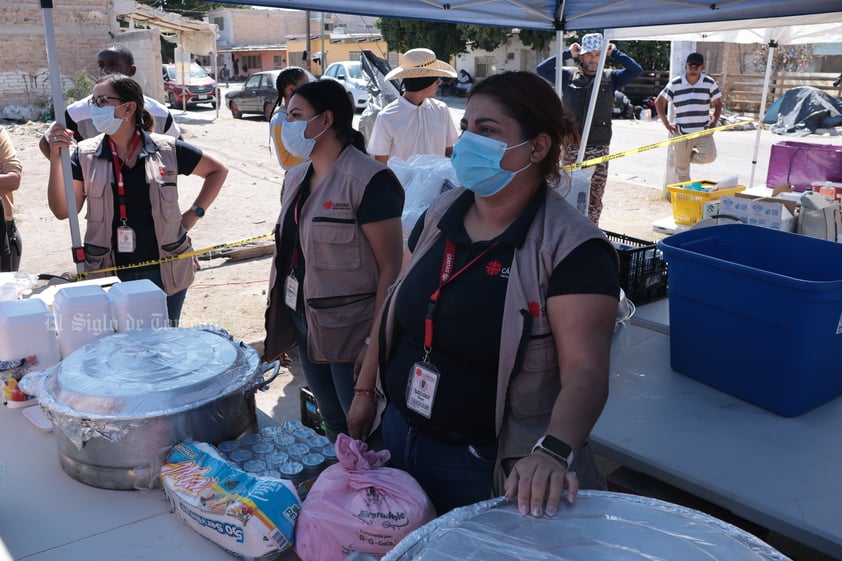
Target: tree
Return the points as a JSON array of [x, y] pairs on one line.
[[195, 9], [445, 39]]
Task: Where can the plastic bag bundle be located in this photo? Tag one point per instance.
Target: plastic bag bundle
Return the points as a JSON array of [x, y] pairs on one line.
[[359, 505], [576, 188], [424, 177]]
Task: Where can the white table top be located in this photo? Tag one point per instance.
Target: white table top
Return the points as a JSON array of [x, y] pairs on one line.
[[782, 473], [45, 515]]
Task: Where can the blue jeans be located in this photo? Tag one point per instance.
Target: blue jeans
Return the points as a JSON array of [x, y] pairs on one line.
[[332, 384], [174, 302], [452, 475]]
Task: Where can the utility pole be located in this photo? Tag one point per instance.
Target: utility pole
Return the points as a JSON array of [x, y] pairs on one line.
[[307, 41]]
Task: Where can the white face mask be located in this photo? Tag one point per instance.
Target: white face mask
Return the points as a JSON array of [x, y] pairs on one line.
[[104, 119], [292, 135]]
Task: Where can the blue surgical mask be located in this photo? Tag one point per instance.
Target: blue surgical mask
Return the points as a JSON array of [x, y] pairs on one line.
[[476, 160], [292, 135], [104, 119]]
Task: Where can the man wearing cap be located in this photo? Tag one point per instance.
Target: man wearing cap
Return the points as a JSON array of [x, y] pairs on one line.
[[415, 123], [577, 87], [692, 95]]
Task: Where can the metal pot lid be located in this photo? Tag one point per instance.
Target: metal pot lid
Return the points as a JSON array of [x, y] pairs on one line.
[[149, 372]]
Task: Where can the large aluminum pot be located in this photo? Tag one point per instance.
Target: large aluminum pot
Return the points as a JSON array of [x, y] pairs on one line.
[[120, 403]]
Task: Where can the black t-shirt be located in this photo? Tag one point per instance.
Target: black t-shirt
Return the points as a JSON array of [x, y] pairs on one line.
[[138, 204], [468, 318], [383, 199]]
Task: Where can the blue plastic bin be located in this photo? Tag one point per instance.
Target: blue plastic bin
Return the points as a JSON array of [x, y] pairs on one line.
[[757, 313]]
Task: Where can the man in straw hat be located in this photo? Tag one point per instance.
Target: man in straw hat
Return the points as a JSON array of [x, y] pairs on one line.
[[415, 123], [577, 87]]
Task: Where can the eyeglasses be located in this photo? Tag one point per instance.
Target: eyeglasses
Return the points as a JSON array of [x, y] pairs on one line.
[[102, 100]]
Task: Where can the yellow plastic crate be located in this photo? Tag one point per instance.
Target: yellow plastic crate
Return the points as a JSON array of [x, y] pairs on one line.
[[688, 204]]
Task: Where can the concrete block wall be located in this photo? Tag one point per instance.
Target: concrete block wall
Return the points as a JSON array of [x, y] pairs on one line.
[[81, 29]]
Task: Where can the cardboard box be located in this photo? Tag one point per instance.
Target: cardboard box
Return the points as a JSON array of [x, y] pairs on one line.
[[768, 212]]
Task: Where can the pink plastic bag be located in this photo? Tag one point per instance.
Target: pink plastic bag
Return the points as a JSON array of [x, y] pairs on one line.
[[358, 505]]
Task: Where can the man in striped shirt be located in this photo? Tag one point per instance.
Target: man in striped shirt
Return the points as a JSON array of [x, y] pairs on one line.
[[692, 95]]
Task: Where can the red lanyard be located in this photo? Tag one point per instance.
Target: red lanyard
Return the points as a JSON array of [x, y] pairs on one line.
[[296, 209], [118, 173], [447, 276]]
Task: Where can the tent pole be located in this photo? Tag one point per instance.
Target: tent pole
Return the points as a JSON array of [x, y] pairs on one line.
[[761, 112], [58, 109], [559, 52]]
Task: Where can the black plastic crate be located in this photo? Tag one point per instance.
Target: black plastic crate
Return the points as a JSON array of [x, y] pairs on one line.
[[643, 271], [310, 415]]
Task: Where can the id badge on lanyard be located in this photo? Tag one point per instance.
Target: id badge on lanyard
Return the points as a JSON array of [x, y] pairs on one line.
[[126, 238], [424, 376]]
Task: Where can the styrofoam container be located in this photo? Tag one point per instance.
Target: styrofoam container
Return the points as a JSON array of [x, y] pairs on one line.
[[27, 342], [26, 329], [138, 304], [757, 313], [82, 315]]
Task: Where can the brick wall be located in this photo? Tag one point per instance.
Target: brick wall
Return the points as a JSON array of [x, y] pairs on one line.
[[81, 27]]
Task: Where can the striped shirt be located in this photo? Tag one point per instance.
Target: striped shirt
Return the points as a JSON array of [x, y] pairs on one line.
[[692, 101]]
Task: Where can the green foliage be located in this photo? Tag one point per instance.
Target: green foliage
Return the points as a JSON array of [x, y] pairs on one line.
[[445, 39], [484, 37], [538, 40], [195, 9], [788, 58], [80, 88]]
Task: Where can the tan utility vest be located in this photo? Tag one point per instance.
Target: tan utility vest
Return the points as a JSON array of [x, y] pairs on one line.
[[161, 173], [528, 379], [340, 275]]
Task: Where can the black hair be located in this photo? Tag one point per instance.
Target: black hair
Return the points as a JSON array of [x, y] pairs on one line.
[[329, 95], [129, 90], [531, 101], [120, 51], [289, 76]]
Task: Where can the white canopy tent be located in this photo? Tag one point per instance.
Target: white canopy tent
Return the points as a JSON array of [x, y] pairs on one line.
[[792, 30]]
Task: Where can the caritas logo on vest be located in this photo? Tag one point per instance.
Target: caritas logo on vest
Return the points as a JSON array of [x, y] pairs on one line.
[[496, 269], [331, 205]]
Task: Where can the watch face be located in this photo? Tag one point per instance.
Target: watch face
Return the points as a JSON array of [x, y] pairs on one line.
[[200, 212]]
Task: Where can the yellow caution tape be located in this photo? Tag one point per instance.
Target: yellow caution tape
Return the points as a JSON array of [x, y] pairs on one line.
[[194, 253], [568, 168], [644, 148]]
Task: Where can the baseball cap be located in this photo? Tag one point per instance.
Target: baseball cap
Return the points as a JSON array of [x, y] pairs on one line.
[[592, 42], [696, 58]]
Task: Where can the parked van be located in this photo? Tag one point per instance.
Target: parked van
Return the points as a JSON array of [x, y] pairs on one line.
[[188, 82]]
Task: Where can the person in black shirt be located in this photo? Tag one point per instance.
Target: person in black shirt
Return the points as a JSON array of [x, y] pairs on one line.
[[493, 355]]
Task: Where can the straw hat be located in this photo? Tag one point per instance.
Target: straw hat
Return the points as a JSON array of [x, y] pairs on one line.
[[421, 63]]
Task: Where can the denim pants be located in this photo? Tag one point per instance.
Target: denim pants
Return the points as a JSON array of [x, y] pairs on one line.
[[452, 475], [174, 302], [332, 384]]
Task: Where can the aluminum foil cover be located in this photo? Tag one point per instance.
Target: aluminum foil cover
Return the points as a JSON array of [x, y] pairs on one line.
[[599, 525], [148, 373]]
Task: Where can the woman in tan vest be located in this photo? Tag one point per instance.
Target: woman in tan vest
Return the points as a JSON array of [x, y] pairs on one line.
[[338, 247], [494, 352], [128, 177]]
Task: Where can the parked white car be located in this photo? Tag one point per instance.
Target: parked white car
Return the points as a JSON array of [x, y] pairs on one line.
[[350, 74]]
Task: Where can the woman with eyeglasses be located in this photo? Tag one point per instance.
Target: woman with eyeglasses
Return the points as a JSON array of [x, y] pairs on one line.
[[493, 355], [338, 247], [128, 176]]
